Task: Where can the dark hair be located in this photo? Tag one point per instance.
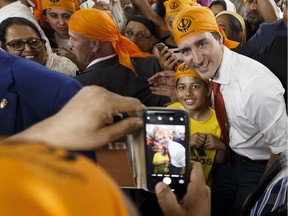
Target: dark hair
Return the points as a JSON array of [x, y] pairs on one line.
[[219, 2], [235, 25], [160, 8], [146, 22], [15, 20], [216, 35]]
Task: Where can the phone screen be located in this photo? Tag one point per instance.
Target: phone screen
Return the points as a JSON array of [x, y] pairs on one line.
[[167, 148]]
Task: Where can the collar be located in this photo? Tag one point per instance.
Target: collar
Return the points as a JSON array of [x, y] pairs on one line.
[[101, 59], [224, 71]]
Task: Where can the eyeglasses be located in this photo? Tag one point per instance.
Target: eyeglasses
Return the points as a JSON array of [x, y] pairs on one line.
[[19, 45], [139, 36]]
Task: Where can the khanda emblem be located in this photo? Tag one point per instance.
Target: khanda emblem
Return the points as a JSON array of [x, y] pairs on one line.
[[174, 5], [183, 67], [184, 25], [54, 1]]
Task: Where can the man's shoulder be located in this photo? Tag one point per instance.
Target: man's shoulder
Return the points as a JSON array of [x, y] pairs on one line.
[[146, 67], [26, 71], [149, 59], [270, 28]]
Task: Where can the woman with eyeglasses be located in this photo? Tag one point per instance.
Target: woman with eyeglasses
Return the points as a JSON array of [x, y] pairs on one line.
[[21, 37], [142, 32]]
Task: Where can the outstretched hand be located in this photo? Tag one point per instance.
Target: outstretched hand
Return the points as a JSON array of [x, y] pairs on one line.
[[86, 121], [163, 83]]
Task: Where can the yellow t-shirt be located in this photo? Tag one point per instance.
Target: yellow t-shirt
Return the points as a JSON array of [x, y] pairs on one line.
[[161, 162], [209, 126]]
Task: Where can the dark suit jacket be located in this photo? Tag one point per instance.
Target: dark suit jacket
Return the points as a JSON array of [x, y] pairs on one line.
[[263, 37], [274, 57], [32, 92], [121, 80]]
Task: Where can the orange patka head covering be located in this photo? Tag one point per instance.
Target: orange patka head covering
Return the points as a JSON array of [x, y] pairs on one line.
[[98, 25], [37, 179], [183, 70], [174, 6], [71, 5], [195, 20]]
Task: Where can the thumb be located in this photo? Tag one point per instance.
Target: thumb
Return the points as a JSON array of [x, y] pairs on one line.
[[167, 200]]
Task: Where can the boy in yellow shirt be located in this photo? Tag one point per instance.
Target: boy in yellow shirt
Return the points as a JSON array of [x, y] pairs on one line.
[[193, 94]]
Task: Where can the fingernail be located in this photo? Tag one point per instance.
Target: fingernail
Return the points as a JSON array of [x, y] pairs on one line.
[[139, 123], [160, 187]]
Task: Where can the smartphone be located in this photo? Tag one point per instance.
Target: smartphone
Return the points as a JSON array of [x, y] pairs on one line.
[[167, 152], [160, 46]]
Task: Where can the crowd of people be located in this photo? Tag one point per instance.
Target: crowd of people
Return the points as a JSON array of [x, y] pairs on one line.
[[68, 66]]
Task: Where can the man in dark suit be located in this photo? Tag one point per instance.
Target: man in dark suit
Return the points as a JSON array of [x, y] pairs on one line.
[[29, 93], [275, 58], [113, 61]]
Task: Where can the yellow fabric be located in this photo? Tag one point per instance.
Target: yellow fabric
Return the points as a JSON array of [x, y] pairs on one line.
[[160, 162], [184, 70], [177, 105], [39, 180], [71, 5], [174, 6], [194, 20], [98, 25], [238, 17], [210, 126]]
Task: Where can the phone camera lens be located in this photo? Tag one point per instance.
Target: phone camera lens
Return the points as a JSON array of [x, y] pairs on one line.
[[159, 118], [181, 119], [171, 118]]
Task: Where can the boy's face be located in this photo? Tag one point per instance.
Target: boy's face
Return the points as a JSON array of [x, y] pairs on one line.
[[192, 93]]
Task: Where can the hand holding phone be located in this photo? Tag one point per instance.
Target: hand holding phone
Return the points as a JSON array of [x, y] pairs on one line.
[[160, 46], [166, 134]]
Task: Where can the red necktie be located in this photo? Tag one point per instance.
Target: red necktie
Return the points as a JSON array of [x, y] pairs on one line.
[[221, 116]]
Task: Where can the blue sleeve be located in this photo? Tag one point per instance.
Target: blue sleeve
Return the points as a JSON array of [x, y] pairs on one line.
[[252, 47]]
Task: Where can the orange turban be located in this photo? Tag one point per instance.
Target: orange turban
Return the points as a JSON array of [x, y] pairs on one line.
[[174, 6], [98, 25], [194, 20], [71, 5], [37, 179], [184, 70]]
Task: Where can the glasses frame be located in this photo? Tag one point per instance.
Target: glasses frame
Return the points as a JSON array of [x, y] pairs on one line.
[[26, 42], [135, 35]]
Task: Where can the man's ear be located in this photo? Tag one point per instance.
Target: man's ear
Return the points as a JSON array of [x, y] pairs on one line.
[[221, 39], [95, 45]]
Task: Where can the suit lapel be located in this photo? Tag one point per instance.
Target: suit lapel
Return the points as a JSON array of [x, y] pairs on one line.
[[8, 112]]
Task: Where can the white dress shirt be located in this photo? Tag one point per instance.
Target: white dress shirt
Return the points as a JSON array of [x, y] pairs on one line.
[[255, 106], [177, 154]]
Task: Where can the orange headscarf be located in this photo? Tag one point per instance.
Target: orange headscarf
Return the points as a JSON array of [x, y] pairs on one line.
[[71, 5], [174, 6], [40, 5], [184, 70], [194, 20], [98, 25]]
